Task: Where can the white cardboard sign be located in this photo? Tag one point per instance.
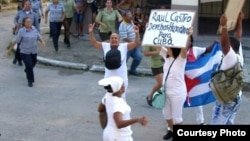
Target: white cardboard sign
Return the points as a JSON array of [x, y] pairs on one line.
[[168, 28]]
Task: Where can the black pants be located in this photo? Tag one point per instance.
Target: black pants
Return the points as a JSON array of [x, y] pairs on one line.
[[18, 57], [67, 24], [29, 62], [104, 36], [55, 28]]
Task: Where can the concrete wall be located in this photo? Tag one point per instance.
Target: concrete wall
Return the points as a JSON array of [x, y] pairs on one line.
[[190, 5]]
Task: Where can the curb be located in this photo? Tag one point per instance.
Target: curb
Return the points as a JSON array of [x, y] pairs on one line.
[[63, 64], [100, 68]]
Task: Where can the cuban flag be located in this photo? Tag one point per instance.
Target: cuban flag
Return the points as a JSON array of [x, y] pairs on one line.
[[197, 76]]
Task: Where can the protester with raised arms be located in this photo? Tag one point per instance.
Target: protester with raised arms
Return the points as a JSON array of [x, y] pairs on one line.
[[232, 53], [115, 54], [174, 83]]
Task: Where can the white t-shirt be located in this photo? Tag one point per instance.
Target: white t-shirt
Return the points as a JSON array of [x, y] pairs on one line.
[[230, 59], [122, 71], [116, 104], [197, 51], [175, 82]]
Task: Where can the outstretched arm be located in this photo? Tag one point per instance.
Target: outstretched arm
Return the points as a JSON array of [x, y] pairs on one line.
[[225, 42], [118, 6], [121, 123], [136, 42], [238, 29], [93, 40]]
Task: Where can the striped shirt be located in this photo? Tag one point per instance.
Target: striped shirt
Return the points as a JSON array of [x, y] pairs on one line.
[[28, 40], [56, 12], [37, 7], [22, 14], [126, 30]]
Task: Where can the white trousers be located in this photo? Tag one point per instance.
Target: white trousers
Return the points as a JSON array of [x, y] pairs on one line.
[[173, 107], [199, 114]]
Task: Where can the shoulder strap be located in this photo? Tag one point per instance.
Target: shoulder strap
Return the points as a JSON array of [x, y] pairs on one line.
[[220, 63], [169, 70]]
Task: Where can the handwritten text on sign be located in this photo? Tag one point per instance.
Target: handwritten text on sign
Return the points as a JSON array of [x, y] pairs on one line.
[[168, 28]]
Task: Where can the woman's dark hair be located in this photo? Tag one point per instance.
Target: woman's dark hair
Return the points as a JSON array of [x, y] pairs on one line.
[[24, 20], [108, 88], [26, 1], [176, 52], [191, 40]]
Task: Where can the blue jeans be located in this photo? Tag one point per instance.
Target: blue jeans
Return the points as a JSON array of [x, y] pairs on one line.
[[55, 31], [29, 62], [225, 114], [136, 54], [78, 18]]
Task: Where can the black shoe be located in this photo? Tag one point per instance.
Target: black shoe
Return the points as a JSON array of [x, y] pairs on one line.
[[68, 44], [168, 136], [56, 49], [149, 101], [14, 61], [20, 63], [30, 84]]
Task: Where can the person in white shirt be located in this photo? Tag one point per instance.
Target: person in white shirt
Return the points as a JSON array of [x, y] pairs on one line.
[[122, 47], [225, 114], [119, 123], [176, 91]]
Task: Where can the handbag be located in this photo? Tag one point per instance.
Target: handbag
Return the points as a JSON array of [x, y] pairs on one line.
[[159, 97], [226, 84]]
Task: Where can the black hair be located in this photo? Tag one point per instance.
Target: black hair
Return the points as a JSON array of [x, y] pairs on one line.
[[235, 43], [176, 52], [191, 41], [124, 14], [108, 88], [26, 1], [24, 20]]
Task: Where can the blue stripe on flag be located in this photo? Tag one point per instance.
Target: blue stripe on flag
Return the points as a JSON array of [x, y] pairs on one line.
[[203, 98]]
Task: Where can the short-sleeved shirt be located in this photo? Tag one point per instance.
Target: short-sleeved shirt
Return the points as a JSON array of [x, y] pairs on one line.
[[69, 7], [126, 30], [55, 12], [115, 104], [122, 71], [231, 58], [22, 14], [28, 40], [37, 7], [109, 18], [155, 61]]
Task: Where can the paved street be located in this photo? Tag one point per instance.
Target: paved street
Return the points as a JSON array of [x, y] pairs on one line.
[[62, 105]]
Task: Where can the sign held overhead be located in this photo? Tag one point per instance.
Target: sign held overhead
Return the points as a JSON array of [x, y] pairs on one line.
[[168, 28], [232, 11]]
